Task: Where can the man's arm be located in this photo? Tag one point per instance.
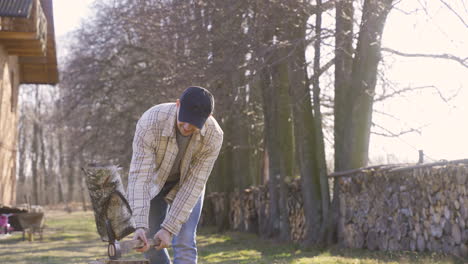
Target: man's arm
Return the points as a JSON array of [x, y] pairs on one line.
[[142, 169], [193, 185]]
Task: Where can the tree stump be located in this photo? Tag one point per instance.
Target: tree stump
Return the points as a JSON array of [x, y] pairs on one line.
[[120, 261]]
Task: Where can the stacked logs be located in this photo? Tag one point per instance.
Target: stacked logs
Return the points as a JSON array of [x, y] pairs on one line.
[[416, 209], [296, 212], [249, 210], [213, 209], [423, 208]]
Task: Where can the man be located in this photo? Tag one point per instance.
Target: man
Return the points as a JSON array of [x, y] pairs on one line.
[[174, 150]]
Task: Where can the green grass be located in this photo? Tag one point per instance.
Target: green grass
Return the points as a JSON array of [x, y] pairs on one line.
[[234, 247], [72, 238]]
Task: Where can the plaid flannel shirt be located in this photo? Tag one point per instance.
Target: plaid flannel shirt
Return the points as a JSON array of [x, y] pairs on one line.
[[154, 150]]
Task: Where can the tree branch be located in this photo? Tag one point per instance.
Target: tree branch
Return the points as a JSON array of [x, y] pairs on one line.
[[455, 12], [388, 133], [401, 91], [462, 61], [312, 10], [327, 66]]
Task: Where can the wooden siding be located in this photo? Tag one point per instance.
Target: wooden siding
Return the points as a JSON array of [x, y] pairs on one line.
[[9, 73]]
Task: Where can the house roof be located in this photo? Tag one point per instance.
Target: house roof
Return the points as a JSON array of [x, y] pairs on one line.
[[31, 37], [15, 8], [42, 69]]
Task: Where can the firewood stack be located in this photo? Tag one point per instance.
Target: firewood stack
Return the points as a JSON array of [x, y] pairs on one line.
[[296, 212], [213, 209], [423, 207], [236, 216], [260, 201], [243, 215], [249, 210]]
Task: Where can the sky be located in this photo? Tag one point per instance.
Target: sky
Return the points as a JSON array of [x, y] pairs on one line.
[[443, 123], [68, 14], [439, 111]]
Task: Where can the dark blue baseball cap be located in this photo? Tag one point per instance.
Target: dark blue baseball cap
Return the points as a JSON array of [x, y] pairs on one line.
[[196, 105]]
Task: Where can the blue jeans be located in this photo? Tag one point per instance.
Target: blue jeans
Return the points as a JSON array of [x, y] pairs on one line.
[[184, 244]]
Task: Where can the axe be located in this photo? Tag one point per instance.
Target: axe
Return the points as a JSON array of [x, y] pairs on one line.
[[116, 249], [112, 212]]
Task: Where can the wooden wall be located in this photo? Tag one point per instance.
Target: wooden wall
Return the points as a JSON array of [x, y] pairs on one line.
[[9, 82]]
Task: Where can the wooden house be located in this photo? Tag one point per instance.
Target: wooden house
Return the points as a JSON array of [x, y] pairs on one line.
[[27, 56]]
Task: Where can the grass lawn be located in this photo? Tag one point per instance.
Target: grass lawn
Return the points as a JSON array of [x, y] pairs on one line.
[[72, 238]]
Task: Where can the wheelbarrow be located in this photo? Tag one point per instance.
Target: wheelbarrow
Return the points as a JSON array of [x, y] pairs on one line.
[[31, 223]]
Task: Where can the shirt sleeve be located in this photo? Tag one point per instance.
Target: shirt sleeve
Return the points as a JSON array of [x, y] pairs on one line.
[[142, 170], [192, 187]]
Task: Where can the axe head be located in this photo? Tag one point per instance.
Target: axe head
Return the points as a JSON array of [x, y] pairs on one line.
[[111, 210]]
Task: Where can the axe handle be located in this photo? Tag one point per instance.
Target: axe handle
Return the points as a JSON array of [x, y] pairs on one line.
[[129, 245]]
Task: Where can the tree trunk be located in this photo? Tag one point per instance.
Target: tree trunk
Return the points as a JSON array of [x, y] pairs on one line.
[[360, 94], [35, 154], [71, 179], [34, 165], [354, 89], [227, 188], [343, 65], [272, 147], [256, 134], [45, 175], [304, 127], [320, 145], [240, 121], [274, 83], [222, 91], [271, 137], [59, 176], [51, 171], [240, 149], [84, 192], [284, 135], [22, 150]]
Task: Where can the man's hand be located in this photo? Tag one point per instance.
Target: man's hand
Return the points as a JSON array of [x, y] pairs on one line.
[[162, 239], [140, 234]]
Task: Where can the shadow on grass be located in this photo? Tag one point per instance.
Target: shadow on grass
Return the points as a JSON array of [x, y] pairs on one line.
[[81, 246], [234, 247], [56, 259], [399, 256]]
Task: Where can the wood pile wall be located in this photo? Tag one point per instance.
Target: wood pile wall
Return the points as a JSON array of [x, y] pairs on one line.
[[414, 209], [422, 208], [249, 210]]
